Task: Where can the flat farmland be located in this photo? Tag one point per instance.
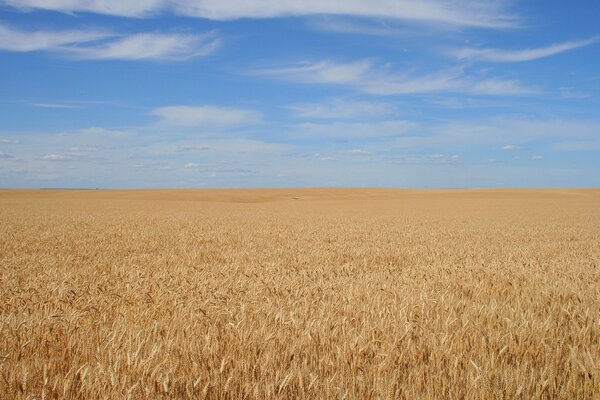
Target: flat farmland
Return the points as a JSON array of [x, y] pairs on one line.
[[300, 293]]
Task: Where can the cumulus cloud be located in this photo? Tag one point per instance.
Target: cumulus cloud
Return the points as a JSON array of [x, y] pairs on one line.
[[365, 76], [473, 13], [536, 158], [510, 147], [104, 45], [205, 116], [498, 55]]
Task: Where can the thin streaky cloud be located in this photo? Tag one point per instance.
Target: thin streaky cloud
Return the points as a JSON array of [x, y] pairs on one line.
[[474, 13], [366, 77], [377, 28], [346, 130], [54, 105], [23, 41], [123, 8], [508, 56], [9, 141], [205, 116], [340, 108], [148, 46], [104, 45]]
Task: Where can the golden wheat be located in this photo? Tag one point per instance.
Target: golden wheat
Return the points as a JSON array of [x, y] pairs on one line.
[[312, 293]]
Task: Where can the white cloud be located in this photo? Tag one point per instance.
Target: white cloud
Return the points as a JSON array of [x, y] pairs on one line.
[[446, 159], [148, 46], [9, 141], [48, 177], [473, 13], [536, 158], [54, 105], [338, 108], [56, 157], [96, 131], [364, 76], [101, 45], [578, 145], [80, 152], [21, 41], [6, 156], [355, 152], [355, 130], [375, 28], [205, 116], [126, 8], [322, 157], [563, 135], [498, 55], [192, 166], [73, 154], [192, 149], [570, 93]]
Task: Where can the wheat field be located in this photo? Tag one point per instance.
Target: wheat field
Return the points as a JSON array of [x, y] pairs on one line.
[[300, 293]]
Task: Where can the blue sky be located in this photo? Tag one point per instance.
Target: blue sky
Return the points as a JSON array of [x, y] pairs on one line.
[[234, 93]]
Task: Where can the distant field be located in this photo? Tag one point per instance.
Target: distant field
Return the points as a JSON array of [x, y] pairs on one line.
[[300, 293]]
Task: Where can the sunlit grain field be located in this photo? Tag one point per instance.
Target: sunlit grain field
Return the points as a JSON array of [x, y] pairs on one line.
[[300, 293]]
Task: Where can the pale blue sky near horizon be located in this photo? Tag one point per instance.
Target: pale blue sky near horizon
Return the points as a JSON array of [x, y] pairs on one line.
[[381, 93]]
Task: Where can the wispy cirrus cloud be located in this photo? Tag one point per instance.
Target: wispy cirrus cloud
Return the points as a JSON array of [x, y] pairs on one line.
[[75, 153], [205, 116], [9, 141], [6, 156], [345, 130], [578, 145], [365, 76], [105, 45], [124, 8], [367, 27], [444, 158], [24, 41], [340, 108], [355, 152], [508, 56], [473, 13], [148, 46], [518, 132], [55, 105]]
